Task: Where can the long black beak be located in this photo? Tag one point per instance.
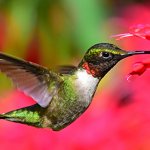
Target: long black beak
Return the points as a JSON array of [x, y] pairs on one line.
[[138, 52], [131, 53]]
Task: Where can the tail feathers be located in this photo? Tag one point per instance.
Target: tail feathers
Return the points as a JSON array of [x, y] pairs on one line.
[[9, 118], [2, 116], [28, 115]]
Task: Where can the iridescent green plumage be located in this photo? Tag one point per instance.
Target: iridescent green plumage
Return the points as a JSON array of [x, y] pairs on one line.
[[30, 115], [61, 96]]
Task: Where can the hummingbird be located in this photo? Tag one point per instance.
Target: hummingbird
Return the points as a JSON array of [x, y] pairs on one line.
[[61, 96]]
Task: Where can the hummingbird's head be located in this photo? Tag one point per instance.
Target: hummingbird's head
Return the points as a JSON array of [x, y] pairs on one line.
[[100, 58]]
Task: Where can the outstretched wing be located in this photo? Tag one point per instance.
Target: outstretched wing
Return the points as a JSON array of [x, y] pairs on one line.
[[34, 80]]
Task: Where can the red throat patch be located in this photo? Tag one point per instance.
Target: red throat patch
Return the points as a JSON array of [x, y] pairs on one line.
[[90, 69]]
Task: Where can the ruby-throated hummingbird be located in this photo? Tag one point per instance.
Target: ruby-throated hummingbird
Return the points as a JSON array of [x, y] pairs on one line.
[[64, 95]]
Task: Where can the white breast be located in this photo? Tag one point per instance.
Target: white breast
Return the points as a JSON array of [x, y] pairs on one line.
[[86, 85]]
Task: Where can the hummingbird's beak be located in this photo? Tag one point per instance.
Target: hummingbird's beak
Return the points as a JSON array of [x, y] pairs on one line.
[[137, 53], [131, 53]]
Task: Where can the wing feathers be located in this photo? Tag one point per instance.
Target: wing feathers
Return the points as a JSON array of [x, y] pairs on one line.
[[34, 80]]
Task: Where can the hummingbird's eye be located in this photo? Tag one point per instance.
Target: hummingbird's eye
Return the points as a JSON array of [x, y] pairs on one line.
[[106, 55]]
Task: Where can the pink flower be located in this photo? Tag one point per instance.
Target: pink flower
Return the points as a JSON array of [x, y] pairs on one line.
[[139, 30], [139, 68], [142, 31], [136, 30]]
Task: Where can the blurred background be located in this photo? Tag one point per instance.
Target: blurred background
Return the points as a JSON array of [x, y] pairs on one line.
[[58, 32]]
